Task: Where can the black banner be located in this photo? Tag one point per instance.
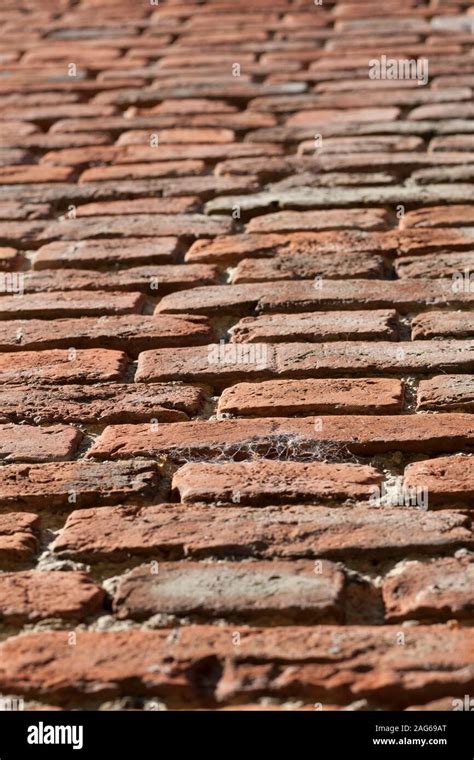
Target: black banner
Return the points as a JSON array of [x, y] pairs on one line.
[[156, 733]]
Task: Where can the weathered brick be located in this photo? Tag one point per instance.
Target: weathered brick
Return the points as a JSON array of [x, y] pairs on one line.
[[289, 221], [179, 205], [304, 266], [10, 259], [366, 144], [27, 443], [86, 366], [307, 197], [14, 175], [136, 171], [27, 597], [294, 591], [151, 280], [438, 216], [221, 364], [381, 161], [195, 135], [287, 437], [131, 333], [76, 484], [312, 117], [22, 211], [449, 480], [19, 232], [74, 303], [231, 249], [436, 265], [173, 531], [90, 254], [106, 404], [440, 324], [272, 482], [52, 141], [134, 146], [431, 591], [104, 664], [446, 393], [194, 225], [307, 295], [443, 111], [368, 293], [330, 396], [18, 537], [453, 142], [317, 326]]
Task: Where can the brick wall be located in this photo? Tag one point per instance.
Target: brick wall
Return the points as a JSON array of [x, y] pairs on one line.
[[236, 354]]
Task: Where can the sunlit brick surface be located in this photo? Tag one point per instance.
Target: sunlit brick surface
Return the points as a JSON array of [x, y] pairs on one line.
[[237, 354]]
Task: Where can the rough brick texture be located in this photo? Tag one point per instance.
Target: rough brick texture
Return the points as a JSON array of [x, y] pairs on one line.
[[236, 355]]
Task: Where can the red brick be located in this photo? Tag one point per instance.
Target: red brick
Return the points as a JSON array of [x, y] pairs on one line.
[[51, 141], [305, 266], [141, 206], [310, 295], [316, 326], [286, 397], [86, 366], [441, 324], [449, 480], [90, 254], [14, 175], [288, 221], [445, 393], [294, 591], [137, 171], [76, 484], [80, 156], [174, 531], [194, 135], [453, 142], [27, 597], [17, 129], [430, 591], [381, 161], [312, 118], [443, 111], [435, 265], [104, 664], [438, 216], [29, 211], [231, 249], [286, 437], [194, 105], [74, 303], [272, 482], [221, 364], [301, 196], [206, 186], [194, 225], [266, 169], [18, 537], [366, 144], [131, 333], [105, 404], [18, 232], [134, 146], [152, 280], [26, 443]]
